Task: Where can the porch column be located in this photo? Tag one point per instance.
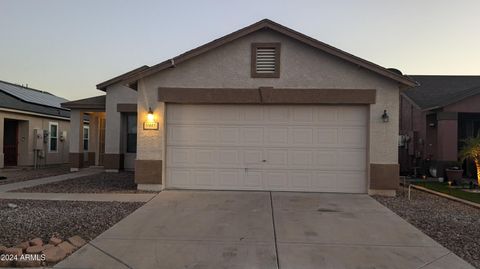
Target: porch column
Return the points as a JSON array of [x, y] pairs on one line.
[[447, 139], [113, 157], [1, 142], [150, 141], [76, 140], [92, 138]]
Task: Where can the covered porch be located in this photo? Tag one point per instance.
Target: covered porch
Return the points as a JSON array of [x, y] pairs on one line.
[[109, 140], [87, 142]]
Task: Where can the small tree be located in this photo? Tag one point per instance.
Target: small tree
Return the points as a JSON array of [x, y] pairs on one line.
[[471, 150]]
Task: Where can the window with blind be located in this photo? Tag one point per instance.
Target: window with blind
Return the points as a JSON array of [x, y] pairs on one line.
[[265, 60]]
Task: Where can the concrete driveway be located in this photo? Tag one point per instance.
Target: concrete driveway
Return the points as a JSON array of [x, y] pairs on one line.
[[227, 229]]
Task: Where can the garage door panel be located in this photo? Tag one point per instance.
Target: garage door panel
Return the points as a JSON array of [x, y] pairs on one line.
[[251, 136], [204, 178], [352, 160], [254, 147], [352, 137], [276, 136], [327, 115], [275, 180], [326, 159], [327, 136], [302, 136], [228, 135]]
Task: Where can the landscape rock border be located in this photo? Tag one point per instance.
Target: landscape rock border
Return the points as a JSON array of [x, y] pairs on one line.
[[35, 253]]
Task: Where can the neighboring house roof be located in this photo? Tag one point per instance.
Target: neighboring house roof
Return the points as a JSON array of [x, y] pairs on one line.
[[436, 91], [32, 95], [144, 71], [19, 98], [96, 103]]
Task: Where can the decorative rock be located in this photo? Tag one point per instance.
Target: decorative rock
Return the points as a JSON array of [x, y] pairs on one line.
[[5, 263], [55, 241], [12, 205], [28, 263], [54, 255], [34, 249], [77, 241], [36, 242], [2, 248], [23, 245], [67, 247], [13, 251], [47, 246]]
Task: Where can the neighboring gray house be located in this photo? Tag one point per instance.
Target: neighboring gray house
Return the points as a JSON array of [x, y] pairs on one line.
[[263, 108], [33, 127]]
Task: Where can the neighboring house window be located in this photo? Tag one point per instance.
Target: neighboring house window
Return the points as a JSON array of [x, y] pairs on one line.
[[265, 60], [131, 132], [53, 136], [86, 135]]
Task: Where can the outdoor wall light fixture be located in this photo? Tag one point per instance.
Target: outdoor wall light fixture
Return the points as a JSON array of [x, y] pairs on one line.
[[385, 117], [150, 124], [150, 117]]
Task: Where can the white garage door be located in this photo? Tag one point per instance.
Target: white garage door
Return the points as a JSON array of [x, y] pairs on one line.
[[267, 147]]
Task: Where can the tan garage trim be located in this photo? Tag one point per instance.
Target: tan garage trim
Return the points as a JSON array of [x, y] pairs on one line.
[[265, 95], [148, 171], [126, 107], [76, 160], [113, 161], [317, 96], [384, 176]]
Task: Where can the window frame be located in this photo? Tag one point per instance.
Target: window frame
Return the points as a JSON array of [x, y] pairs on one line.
[[134, 115], [86, 127], [50, 124], [253, 67]]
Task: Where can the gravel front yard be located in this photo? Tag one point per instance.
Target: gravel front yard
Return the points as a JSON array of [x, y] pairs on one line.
[[454, 225], [36, 218], [122, 182], [28, 173]]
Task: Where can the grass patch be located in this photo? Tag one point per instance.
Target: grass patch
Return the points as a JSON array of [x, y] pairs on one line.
[[443, 188]]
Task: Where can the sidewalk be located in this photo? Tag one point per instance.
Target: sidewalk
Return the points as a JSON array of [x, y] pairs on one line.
[[45, 180], [95, 197]]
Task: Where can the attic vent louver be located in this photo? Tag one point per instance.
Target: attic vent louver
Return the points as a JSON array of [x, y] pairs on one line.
[[266, 60]]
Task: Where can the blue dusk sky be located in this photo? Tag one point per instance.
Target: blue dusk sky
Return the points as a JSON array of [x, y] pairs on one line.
[[67, 47]]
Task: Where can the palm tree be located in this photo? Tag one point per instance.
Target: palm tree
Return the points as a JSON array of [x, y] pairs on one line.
[[471, 150]]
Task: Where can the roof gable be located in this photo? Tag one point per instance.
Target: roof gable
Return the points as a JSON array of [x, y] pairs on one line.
[[136, 74]]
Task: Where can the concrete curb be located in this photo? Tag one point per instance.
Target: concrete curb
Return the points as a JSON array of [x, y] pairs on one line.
[[446, 196]]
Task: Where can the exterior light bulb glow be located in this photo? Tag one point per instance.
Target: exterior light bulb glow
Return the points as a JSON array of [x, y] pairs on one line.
[[150, 117]]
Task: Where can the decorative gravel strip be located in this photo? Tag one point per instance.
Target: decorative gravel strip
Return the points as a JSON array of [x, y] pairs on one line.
[[122, 182], [452, 224], [37, 218], [23, 174]]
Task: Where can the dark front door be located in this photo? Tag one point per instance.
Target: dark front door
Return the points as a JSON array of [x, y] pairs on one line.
[[10, 142]]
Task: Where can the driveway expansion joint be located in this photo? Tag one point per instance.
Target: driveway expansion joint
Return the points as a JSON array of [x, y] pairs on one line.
[[109, 255], [274, 231]]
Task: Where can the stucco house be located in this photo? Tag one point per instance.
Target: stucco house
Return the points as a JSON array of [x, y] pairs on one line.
[[435, 117], [263, 108], [33, 127]]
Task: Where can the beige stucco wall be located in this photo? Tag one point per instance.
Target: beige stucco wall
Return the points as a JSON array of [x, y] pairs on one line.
[[115, 130], [26, 125], [301, 67], [116, 94]]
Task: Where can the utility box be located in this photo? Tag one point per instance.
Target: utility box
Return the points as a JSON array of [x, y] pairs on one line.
[[37, 139], [63, 136]]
